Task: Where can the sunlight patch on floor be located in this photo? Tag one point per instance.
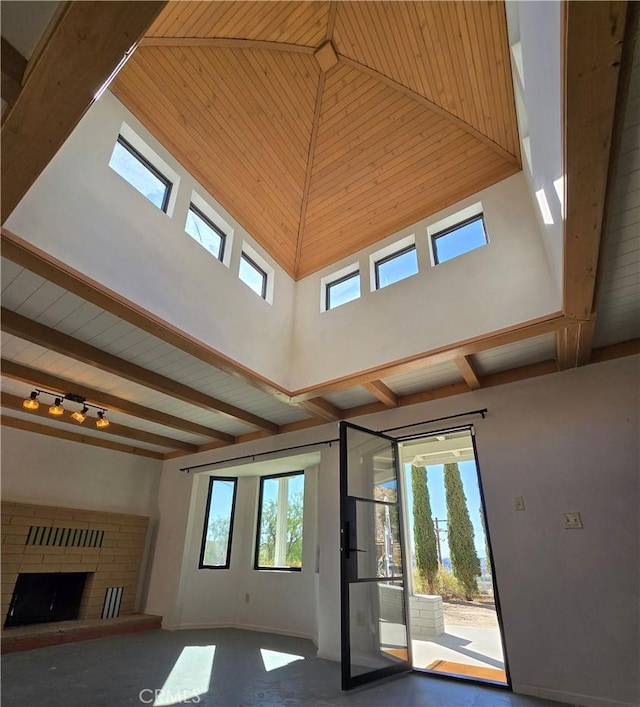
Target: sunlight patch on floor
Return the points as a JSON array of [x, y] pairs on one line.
[[189, 677], [273, 660]]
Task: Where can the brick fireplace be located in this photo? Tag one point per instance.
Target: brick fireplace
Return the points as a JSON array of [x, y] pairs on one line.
[[107, 547]]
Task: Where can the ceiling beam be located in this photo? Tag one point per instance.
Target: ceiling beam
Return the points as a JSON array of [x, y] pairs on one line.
[[13, 66], [446, 354], [88, 42], [30, 426], [468, 372], [593, 47], [46, 266], [42, 335], [14, 401], [41, 379], [381, 391], [318, 407]]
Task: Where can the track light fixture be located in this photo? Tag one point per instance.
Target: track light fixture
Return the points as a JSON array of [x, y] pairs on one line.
[[80, 415], [57, 409], [31, 403]]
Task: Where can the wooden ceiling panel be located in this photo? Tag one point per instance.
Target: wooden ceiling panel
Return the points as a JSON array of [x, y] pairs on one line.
[[378, 170], [303, 23], [455, 54], [316, 164], [255, 109]]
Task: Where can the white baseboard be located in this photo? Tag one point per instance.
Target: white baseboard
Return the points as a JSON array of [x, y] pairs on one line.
[[242, 627], [330, 655], [570, 697]]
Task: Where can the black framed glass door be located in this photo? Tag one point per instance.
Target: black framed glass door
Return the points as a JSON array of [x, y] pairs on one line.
[[375, 640]]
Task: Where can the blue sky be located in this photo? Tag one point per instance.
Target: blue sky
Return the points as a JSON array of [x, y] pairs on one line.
[[435, 484]]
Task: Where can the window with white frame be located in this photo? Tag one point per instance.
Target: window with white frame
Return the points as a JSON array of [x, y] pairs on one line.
[[280, 521], [215, 551], [205, 232], [141, 174], [457, 234], [253, 275], [394, 263], [342, 290]]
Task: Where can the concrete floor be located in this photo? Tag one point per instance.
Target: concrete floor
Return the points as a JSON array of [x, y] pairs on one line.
[[222, 667]]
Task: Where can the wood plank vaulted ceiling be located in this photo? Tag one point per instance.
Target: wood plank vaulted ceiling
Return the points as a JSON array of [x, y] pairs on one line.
[[323, 127]]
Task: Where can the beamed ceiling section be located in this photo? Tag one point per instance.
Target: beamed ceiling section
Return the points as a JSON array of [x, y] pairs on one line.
[[323, 127]]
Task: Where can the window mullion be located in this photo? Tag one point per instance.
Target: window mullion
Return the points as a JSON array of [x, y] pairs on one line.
[[280, 559]]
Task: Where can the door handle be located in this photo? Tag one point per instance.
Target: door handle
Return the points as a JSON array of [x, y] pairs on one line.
[[347, 541]]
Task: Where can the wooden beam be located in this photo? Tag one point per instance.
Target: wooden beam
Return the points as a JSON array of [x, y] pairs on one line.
[[510, 335], [30, 426], [13, 66], [36, 333], [382, 392], [37, 261], [40, 379], [318, 407], [593, 47], [468, 371], [14, 401], [584, 344], [608, 353], [87, 44]]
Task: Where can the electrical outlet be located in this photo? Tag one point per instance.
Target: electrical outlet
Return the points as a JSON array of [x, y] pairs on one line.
[[518, 503], [572, 521], [247, 597], [360, 618]]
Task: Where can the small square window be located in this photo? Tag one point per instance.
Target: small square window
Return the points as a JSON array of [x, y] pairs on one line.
[[343, 290], [459, 239], [280, 520], [253, 275], [215, 551], [396, 267], [205, 232], [140, 173]]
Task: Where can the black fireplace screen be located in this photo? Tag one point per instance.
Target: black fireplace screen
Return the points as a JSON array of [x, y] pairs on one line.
[[41, 597]]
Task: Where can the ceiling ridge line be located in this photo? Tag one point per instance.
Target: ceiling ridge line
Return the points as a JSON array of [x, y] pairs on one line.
[[309, 171], [331, 21], [224, 43], [419, 98]]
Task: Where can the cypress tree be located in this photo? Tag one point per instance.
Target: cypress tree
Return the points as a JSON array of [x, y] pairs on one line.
[[464, 559], [486, 542], [423, 532]]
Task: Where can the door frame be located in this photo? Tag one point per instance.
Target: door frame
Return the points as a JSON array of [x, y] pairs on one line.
[[348, 681]]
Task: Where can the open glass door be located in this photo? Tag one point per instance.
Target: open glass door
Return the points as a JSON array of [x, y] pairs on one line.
[[373, 598]]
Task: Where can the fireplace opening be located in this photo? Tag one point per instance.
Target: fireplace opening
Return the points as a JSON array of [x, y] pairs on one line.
[[42, 597]]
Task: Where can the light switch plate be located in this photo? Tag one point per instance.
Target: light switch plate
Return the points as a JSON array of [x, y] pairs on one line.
[[518, 503]]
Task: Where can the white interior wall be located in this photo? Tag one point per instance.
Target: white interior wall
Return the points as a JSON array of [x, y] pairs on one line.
[[57, 472], [566, 442], [279, 602], [82, 212], [493, 287], [538, 27]]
